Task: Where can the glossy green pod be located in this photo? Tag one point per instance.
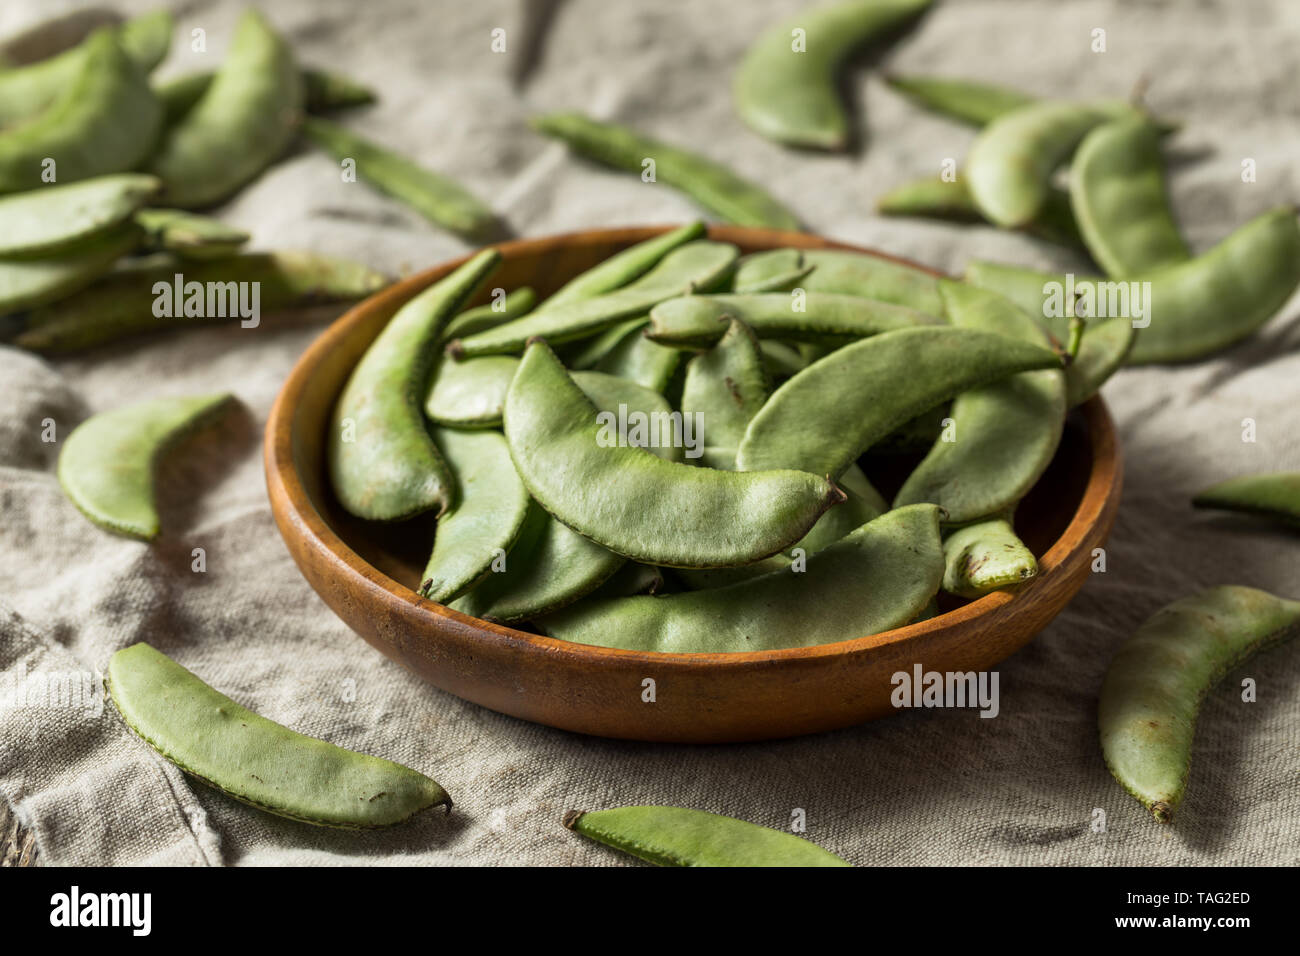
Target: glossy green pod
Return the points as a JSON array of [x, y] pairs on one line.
[[625, 267], [824, 417], [712, 185], [1117, 190], [105, 120], [637, 359], [777, 270], [675, 836], [382, 463], [879, 577], [242, 123], [107, 464], [485, 519], [470, 393], [725, 387], [966, 100], [52, 218], [121, 304], [655, 511], [29, 282], [872, 277], [1155, 684], [1104, 350], [438, 198], [255, 760], [785, 86], [517, 303], [985, 556], [1001, 436], [189, 235], [1010, 164], [1273, 495]]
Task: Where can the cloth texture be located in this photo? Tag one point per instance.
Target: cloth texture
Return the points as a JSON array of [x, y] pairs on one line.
[[925, 787]]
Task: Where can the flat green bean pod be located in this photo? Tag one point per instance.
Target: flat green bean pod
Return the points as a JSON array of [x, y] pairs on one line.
[[823, 418], [549, 567], [1117, 188], [1103, 352], [255, 760], [698, 321], [1195, 308], [105, 120], [1155, 685], [632, 578], [625, 267], [781, 360], [785, 85], [243, 122], [323, 92], [872, 277], [879, 577], [382, 463], [1273, 495], [712, 185], [515, 304], [25, 283], [696, 265], [778, 270], [637, 359], [985, 556], [627, 500], [436, 197], [470, 393], [937, 198], [725, 387], [121, 304], [29, 90], [52, 218], [189, 235], [106, 466], [675, 836], [591, 352], [966, 100], [485, 519], [1012, 159], [1002, 436]]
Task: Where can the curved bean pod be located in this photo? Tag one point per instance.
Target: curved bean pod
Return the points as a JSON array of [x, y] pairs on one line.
[[781, 360], [382, 463], [985, 556], [1006, 433], [823, 418], [698, 321], [787, 92], [936, 198], [879, 577], [55, 217], [255, 760], [1155, 684], [1117, 188], [654, 511], [725, 387], [25, 283], [637, 359], [486, 518], [712, 185], [438, 198], [105, 120], [966, 100], [872, 277], [696, 265], [121, 304], [1012, 159], [517, 303], [322, 92], [244, 121], [675, 836], [471, 393], [188, 235], [1104, 350], [1273, 495], [106, 466], [625, 267], [777, 270], [1195, 308]]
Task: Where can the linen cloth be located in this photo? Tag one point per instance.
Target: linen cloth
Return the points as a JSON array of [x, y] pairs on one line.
[[924, 787]]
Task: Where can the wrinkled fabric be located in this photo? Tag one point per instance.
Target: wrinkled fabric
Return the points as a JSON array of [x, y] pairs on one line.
[[924, 787]]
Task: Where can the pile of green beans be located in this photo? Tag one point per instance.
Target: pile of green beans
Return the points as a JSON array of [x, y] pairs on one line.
[[759, 530]]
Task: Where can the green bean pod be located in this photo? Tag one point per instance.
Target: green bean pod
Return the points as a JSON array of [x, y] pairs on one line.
[[635, 358], [53, 218], [985, 556], [675, 836], [107, 464], [323, 92], [1273, 495], [712, 185], [242, 123], [872, 277], [255, 760], [784, 87], [625, 267], [382, 463], [824, 417], [27, 283], [1155, 684], [879, 577], [936, 198], [968, 101], [188, 235], [779, 270], [470, 393], [725, 387], [1117, 189], [517, 303]]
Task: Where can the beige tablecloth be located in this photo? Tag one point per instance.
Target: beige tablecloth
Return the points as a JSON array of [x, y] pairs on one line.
[[931, 787]]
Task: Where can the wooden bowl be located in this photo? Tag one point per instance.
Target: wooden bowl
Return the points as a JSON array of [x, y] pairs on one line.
[[367, 573]]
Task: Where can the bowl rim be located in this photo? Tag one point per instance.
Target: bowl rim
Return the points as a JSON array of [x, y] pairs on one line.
[[285, 487]]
